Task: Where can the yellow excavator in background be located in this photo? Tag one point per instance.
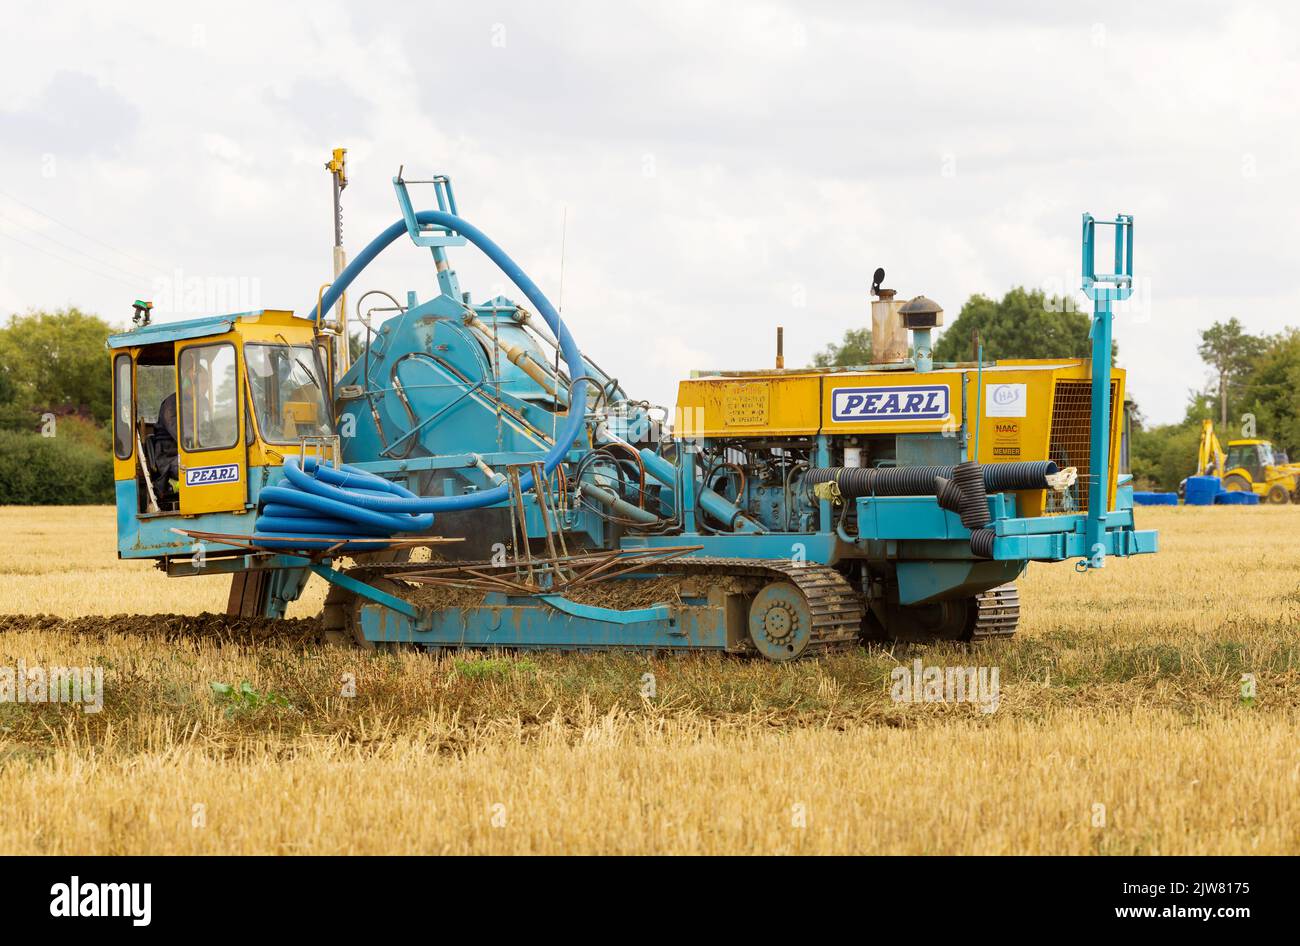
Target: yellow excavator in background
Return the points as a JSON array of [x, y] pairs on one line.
[[1248, 466]]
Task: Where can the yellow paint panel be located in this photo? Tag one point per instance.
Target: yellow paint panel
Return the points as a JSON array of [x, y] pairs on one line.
[[1016, 427], [777, 405], [1011, 430], [123, 469], [1014, 411], [1014, 406], [272, 324], [210, 407]]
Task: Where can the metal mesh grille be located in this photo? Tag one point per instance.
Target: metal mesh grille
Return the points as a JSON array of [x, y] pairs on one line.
[[1068, 443]]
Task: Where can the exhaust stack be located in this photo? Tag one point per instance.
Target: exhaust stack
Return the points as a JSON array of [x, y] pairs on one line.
[[888, 335]]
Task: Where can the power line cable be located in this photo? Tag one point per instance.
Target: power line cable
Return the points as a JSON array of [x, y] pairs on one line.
[[84, 236], [76, 249], [71, 262]]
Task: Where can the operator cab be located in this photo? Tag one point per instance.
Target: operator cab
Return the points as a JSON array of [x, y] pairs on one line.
[[1254, 456], [203, 413]]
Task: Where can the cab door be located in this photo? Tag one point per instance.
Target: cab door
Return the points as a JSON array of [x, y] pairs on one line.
[[210, 422]]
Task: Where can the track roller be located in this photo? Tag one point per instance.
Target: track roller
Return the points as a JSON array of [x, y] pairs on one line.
[[780, 621]]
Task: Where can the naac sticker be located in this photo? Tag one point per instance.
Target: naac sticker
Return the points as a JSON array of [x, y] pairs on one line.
[[212, 475], [1005, 400]]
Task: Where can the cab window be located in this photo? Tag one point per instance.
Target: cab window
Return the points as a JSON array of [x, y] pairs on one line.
[[208, 403], [153, 384], [123, 429], [287, 395]]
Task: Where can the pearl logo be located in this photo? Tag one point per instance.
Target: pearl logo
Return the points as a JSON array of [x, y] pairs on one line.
[[916, 402]]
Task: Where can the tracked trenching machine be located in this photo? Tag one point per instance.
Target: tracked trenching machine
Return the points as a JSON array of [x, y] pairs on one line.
[[778, 512]]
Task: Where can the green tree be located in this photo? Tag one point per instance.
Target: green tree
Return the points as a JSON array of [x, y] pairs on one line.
[[51, 358], [1024, 324], [43, 471], [1271, 390], [13, 415], [854, 349], [1232, 354], [1160, 457]]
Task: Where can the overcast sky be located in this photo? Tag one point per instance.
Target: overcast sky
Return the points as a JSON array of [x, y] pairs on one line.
[[724, 167]]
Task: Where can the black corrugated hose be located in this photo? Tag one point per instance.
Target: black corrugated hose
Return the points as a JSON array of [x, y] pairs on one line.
[[963, 488], [974, 502], [857, 481]]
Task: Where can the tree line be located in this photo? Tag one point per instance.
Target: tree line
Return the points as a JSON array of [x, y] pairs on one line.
[[1024, 323], [55, 408], [1253, 388]]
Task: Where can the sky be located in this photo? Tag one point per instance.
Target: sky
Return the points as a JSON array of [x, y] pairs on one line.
[[682, 177]]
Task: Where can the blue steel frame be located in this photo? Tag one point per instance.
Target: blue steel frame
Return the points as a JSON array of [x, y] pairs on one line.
[[548, 622], [1103, 289]]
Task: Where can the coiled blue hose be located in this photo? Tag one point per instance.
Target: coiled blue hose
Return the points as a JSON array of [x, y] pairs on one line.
[[317, 500], [320, 500]]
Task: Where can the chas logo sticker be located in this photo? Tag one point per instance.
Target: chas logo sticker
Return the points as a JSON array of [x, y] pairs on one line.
[[1006, 400], [211, 475], [917, 402]]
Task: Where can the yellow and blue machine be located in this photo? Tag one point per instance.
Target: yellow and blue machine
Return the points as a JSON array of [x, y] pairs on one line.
[[778, 512]]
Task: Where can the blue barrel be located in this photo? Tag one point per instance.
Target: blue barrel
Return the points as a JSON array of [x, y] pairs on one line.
[[1237, 499], [1156, 499], [1201, 490]]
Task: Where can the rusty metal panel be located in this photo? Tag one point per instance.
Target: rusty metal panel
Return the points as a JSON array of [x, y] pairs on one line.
[[755, 406]]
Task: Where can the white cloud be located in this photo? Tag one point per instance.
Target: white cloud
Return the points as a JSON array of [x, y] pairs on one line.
[[726, 167]]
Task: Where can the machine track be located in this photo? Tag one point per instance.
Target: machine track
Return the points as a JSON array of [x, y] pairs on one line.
[[836, 610], [337, 620], [997, 612]]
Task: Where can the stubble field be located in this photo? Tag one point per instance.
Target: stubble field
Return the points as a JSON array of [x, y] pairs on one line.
[[1121, 725]]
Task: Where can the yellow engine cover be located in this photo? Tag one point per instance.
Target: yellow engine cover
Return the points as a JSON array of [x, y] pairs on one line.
[[1013, 410]]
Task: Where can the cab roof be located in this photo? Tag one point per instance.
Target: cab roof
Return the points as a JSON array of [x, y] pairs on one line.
[[201, 327]]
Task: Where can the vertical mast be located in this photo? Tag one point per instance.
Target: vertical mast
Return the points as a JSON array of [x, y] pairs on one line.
[[337, 166]]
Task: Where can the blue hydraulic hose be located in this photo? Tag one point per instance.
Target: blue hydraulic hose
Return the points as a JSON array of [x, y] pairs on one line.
[[332, 504], [350, 502]]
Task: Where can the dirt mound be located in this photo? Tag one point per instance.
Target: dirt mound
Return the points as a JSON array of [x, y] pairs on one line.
[[627, 594], [169, 626]]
